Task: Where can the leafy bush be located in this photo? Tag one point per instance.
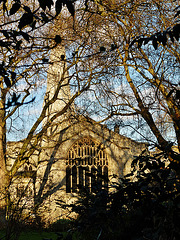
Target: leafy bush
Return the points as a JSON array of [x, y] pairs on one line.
[[143, 205], [62, 225]]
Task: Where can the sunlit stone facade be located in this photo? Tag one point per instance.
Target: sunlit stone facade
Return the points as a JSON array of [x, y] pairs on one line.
[[76, 153]]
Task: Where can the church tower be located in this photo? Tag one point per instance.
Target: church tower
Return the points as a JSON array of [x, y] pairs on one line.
[[57, 82]]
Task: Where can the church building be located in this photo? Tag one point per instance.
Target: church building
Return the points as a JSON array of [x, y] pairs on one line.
[[76, 153]]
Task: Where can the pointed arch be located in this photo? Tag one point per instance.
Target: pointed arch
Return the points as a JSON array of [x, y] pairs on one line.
[[86, 166]]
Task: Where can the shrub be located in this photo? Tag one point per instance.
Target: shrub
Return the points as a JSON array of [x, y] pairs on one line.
[[146, 208]]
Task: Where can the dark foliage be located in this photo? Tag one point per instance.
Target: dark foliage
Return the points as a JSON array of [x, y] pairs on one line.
[[173, 33], [146, 208], [29, 18], [62, 225], [27, 21]]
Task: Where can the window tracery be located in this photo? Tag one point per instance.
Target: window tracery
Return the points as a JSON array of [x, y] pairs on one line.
[[86, 166]]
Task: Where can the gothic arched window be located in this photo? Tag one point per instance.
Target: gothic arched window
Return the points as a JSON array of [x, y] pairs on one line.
[[86, 166]]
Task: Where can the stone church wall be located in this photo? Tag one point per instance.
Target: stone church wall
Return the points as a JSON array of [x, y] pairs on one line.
[[49, 165], [43, 179]]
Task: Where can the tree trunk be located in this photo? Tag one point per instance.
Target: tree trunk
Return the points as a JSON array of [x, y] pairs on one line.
[[3, 171]]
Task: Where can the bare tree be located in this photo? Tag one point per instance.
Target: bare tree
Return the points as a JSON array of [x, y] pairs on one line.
[[25, 44], [135, 82], [114, 78], [25, 58]]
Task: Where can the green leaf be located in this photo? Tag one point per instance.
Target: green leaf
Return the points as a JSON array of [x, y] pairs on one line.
[[102, 49], [58, 6], [26, 19], [49, 4], [7, 81], [27, 9], [58, 39], [45, 3], [155, 43], [176, 31], [70, 7], [42, 4], [15, 7]]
